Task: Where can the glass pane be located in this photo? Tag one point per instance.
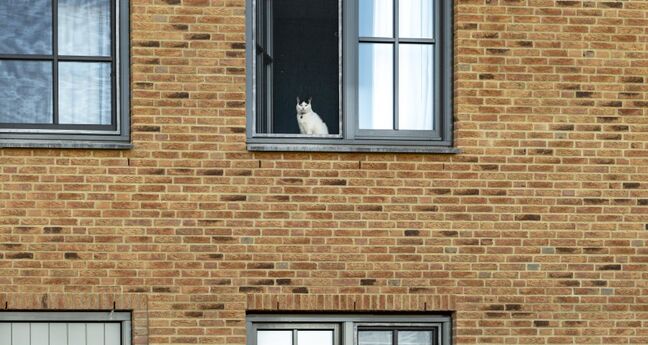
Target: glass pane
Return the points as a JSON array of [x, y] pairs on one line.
[[376, 86], [274, 338], [26, 92], [25, 27], [315, 338], [374, 338], [414, 338], [416, 87], [416, 18], [84, 93], [376, 18], [84, 27]]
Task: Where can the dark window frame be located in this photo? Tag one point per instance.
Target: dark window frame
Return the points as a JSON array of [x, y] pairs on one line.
[[351, 139], [113, 136], [346, 326]]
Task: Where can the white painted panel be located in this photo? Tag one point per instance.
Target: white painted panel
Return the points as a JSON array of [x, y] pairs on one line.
[[113, 334], [58, 334], [20, 333], [5, 333], [95, 333], [76, 334], [39, 333]]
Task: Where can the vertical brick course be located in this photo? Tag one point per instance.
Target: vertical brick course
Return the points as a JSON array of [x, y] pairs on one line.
[[535, 234]]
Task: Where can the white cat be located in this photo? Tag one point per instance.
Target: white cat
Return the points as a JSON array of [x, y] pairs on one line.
[[309, 122]]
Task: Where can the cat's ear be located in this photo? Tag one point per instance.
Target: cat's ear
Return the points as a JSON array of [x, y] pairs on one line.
[[310, 100], [298, 100]]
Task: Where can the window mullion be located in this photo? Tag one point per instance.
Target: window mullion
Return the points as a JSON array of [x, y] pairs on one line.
[[55, 76]]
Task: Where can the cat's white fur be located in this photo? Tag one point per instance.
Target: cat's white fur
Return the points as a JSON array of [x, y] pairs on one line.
[[309, 122]]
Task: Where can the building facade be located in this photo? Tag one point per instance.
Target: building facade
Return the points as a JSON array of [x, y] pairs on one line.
[[531, 227]]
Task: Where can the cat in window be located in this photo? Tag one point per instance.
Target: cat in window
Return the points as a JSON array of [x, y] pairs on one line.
[[309, 122]]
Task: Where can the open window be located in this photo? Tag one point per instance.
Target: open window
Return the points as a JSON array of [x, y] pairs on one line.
[[379, 73], [297, 55]]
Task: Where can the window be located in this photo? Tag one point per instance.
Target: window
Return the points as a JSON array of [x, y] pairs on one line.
[[64, 73], [65, 328], [379, 73], [348, 330]]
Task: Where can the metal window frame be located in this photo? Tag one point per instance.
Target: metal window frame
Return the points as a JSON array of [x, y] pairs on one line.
[[352, 140], [113, 136], [348, 324], [122, 317]]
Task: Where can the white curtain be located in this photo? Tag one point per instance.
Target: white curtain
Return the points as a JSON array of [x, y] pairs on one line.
[[84, 29], [416, 67]]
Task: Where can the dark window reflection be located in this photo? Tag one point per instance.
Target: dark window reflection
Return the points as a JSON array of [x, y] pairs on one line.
[[26, 27], [25, 92]]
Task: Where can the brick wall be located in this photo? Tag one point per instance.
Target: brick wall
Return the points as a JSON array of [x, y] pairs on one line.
[[535, 234]]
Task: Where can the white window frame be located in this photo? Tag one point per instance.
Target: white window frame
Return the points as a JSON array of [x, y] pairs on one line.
[[346, 325]]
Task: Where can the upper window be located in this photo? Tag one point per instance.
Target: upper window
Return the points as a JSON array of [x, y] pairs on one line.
[[348, 330], [65, 328], [64, 72], [350, 75]]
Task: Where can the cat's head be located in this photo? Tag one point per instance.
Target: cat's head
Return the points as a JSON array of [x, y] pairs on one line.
[[304, 107]]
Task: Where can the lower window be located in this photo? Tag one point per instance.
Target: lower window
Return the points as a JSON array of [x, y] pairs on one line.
[[348, 330], [65, 328]]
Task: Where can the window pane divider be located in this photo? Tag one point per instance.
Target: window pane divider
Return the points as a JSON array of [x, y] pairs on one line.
[[85, 58], [26, 57]]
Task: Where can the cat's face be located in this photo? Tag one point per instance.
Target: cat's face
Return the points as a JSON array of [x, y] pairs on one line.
[[303, 107]]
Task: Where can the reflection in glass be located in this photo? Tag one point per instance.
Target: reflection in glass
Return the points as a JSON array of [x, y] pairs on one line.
[[416, 84], [416, 19], [25, 27], [25, 92], [84, 93], [84, 27], [414, 338], [376, 86], [376, 18], [374, 338], [315, 338], [274, 337]]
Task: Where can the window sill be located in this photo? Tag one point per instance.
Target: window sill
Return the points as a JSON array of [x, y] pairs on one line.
[[350, 148], [65, 144]]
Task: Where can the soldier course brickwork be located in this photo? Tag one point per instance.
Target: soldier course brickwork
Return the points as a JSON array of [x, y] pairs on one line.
[[536, 233]]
